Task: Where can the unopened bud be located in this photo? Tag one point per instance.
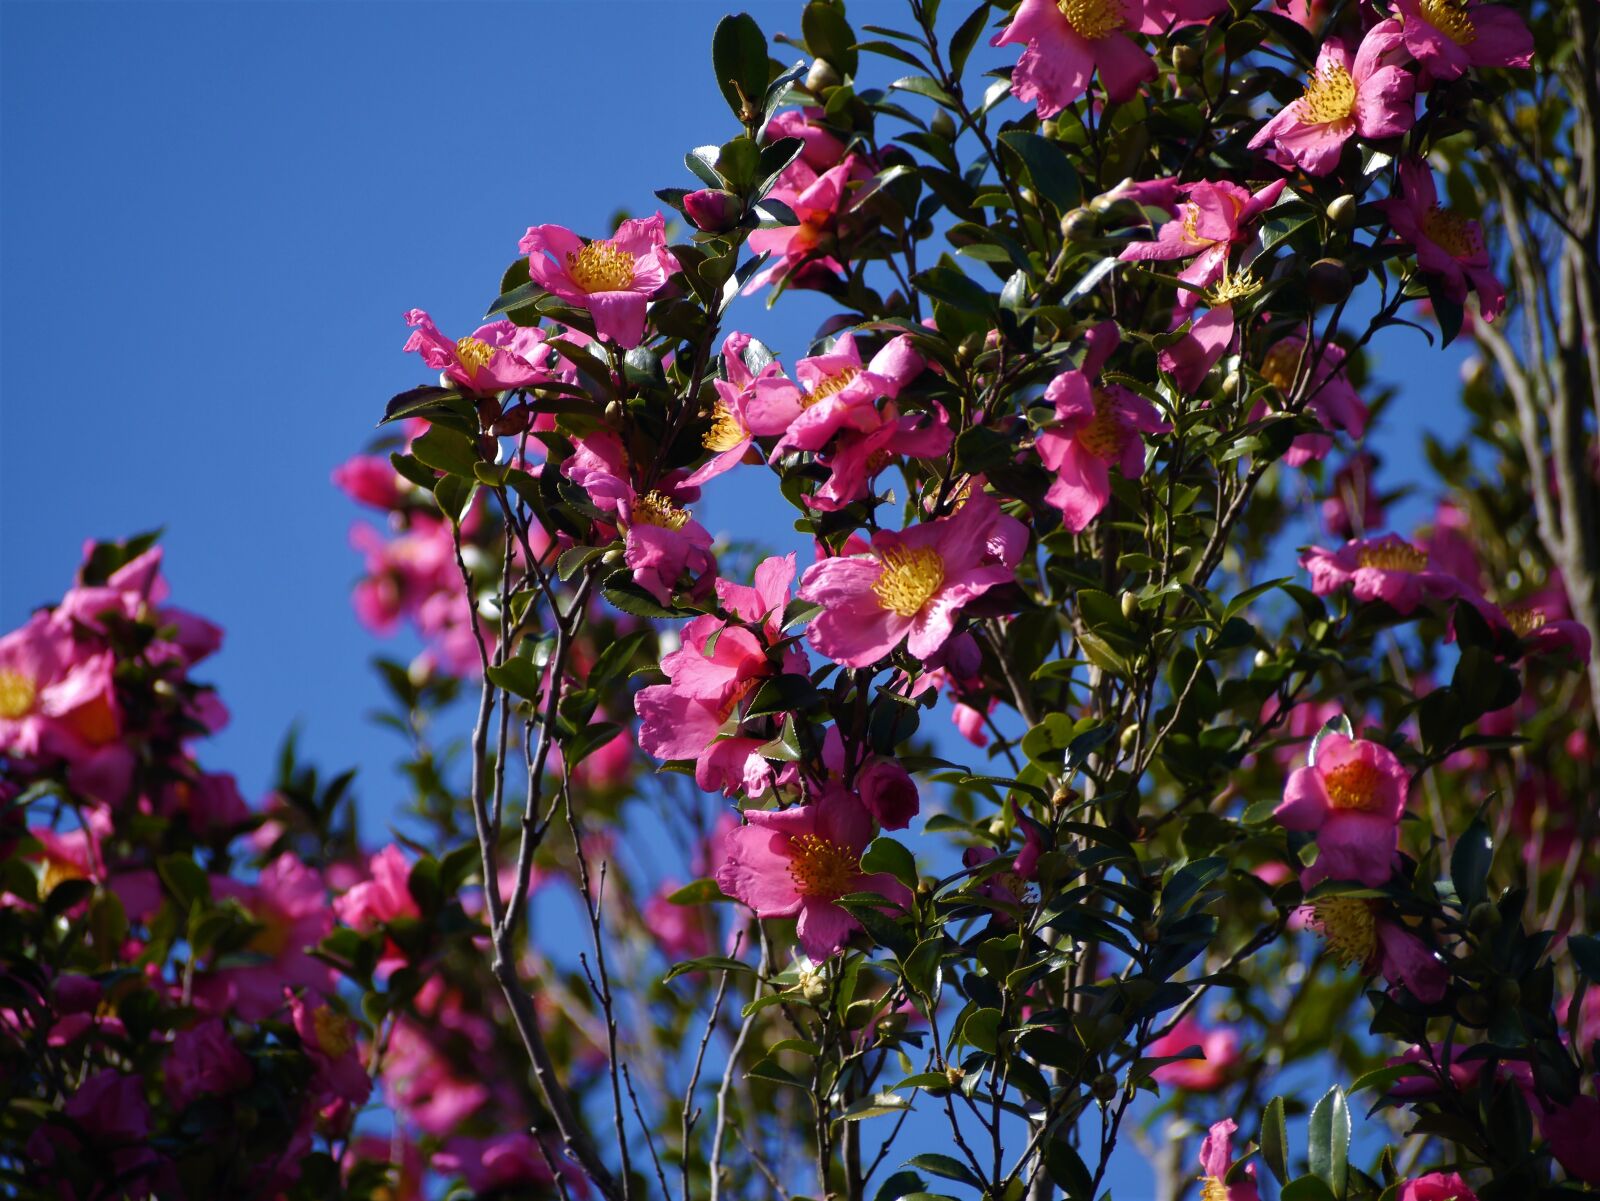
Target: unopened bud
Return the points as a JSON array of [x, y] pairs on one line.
[[811, 985], [1475, 1009], [1104, 1087], [1483, 919], [712, 210], [1328, 281], [613, 410], [822, 75], [955, 1076], [1185, 60], [1128, 738], [1230, 383], [1262, 658], [997, 828], [1130, 605], [511, 424], [1342, 211], [1063, 797], [613, 556], [488, 410], [1079, 225]]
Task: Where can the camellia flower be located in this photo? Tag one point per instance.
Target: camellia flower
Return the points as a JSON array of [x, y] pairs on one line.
[[108, 1122], [382, 898], [496, 357], [612, 277], [1359, 935], [1219, 1052], [820, 148], [802, 254], [913, 585], [1095, 427], [1209, 224], [1446, 243], [733, 427], [1344, 98], [1436, 1186], [797, 862], [369, 480], [834, 392], [1209, 338], [1354, 505], [1449, 36], [1067, 42], [502, 1162], [1541, 626], [1216, 1161], [857, 458], [290, 903], [1351, 797], [205, 1061], [663, 543], [1389, 569], [1331, 398], [329, 1038]]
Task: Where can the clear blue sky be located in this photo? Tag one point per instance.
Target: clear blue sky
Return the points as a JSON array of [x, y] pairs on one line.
[[212, 216]]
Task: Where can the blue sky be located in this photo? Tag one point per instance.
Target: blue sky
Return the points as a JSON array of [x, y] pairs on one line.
[[212, 217]]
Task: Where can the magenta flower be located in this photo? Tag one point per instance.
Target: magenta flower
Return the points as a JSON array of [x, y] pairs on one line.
[[1389, 569], [1219, 1052], [369, 480], [1351, 797], [383, 897], [802, 254], [1216, 1161], [733, 426], [1209, 224], [820, 148], [1331, 398], [1446, 243], [1354, 505], [797, 862], [913, 585], [329, 1039], [496, 357], [1570, 1131], [1096, 427], [665, 548], [888, 792], [1543, 623], [1436, 1186], [1360, 935], [205, 1061], [1067, 42], [1197, 352], [500, 1162], [290, 904], [834, 392], [858, 457], [613, 277], [108, 1121], [1449, 36], [1367, 97]]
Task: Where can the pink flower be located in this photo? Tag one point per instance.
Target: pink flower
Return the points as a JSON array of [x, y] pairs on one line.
[[505, 1161], [797, 862], [369, 480], [1216, 1161], [204, 1061], [1343, 99], [1542, 630], [1067, 43], [1449, 36], [1460, 1074], [712, 210], [665, 548], [1570, 1130], [496, 357], [1189, 359], [1360, 935], [1447, 244], [734, 427], [290, 903], [1352, 797], [1095, 428], [835, 392], [384, 897], [913, 585], [1354, 505], [888, 792], [1436, 1186], [1450, 547], [820, 149], [680, 931], [858, 458], [1209, 224], [1219, 1052], [613, 277], [1331, 398], [1389, 569], [108, 1123], [329, 1038], [802, 254]]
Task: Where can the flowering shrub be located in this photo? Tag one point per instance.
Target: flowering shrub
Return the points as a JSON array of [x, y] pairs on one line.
[[1242, 794]]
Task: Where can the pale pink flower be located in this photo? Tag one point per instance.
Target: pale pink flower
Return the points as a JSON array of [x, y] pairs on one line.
[[802, 254], [1365, 96], [1216, 1161], [614, 278], [1212, 220], [1388, 568], [1446, 243], [497, 357], [1352, 798], [832, 392], [1450, 36], [1066, 43], [913, 585], [1219, 1053]]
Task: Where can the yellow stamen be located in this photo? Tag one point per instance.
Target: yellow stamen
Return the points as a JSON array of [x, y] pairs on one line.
[[58, 871], [821, 868], [653, 508], [1281, 364], [1355, 786], [1350, 928], [739, 691], [1393, 556], [726, 431], [601, 267], [830, 386], [1525, 621], [335, 1033], [1233, 287], [1093, 19], [1212, 1189], [474, 354], [909, 579], [1330, 96], [1452, 233], [17, 694], [1106, 431], [1451, 18], [272, 939]]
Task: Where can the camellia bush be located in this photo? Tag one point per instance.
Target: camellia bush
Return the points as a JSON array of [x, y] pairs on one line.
[[1106, 798]]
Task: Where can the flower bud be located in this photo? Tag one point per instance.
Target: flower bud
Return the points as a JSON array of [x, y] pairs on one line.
[[1484, 919], [1130, 605], [1079, 225], [1104, 1087], [488, 410], [511, 424], [1328, 281], [955, 1076], [997, 828], [889, 793], [822, 75], [1185, 60], [1230, 383], [613, 410], [712, 210], [1342, 211], [1129, 736], [811, 985], [1262, 658]]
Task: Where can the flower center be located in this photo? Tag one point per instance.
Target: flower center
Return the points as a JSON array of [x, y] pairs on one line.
[[821, 868], [1348, 925], [17, 694], [601, 267], [908, 579], [653, 508], [825, 388], [473, 354], [1281, 365], [740, 690], [1106, 431], [878, 460], [726, 431], [1355, 786], [271, 939], [335, 1032], [1524, 621], [1093, 19], [58, 871], [1393, 556], [1450, 18], [1330, 96], [1233, 287], [1212, 1189], [1452, 233]]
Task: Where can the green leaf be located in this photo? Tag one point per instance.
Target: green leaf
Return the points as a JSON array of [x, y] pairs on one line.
[[420, 402], [700, 892], [453, 495], [446, 450], [707, 963], [901, 1184], [1469, 863], [947, 1166], [1048, 167], [1585, 950], [1275, 1140], [966, 37], [519, 677], [1328, 1141], [1306, 1188], [185, 879], [876, 1106], [829, 36], [739, 58], [887, 855], [784, 694]]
